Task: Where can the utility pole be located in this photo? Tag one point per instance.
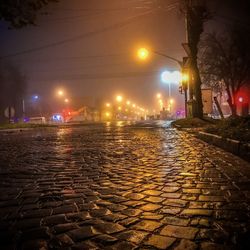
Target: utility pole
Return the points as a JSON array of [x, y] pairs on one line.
[[23, 104], [185, 81], [186, 86]]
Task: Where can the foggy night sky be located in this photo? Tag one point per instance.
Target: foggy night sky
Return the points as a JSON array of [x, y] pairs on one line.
[[100, 56]]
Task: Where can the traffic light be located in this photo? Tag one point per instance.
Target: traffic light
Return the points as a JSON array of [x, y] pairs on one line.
[[184, 79]]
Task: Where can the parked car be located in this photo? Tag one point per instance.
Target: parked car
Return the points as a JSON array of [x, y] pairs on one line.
[[37, 120]]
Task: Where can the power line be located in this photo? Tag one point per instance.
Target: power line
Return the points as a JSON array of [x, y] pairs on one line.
[[75, 58], [105, 75], [146, 6], [84, 67], [86, 16], [100, 9], [81, 36], [99, 13]]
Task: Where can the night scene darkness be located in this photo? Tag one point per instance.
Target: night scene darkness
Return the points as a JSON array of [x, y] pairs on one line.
[[125, 124]]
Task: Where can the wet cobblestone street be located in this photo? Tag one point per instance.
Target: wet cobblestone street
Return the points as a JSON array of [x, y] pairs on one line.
[[120, 187]]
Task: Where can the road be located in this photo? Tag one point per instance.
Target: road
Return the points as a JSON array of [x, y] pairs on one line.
[[120, 186]]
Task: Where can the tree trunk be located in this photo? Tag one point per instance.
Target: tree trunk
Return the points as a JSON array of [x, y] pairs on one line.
[[197, 91], [234, 106], [230, 102], [195, 19]]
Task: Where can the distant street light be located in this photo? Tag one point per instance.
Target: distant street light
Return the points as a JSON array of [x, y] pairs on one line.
[[171, 77], [143, 53], [60, 92], [119, 98], [158, 95], [34, 99], [107, 105], [66, 100]]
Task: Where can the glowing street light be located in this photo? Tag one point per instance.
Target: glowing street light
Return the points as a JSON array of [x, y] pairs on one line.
[[119, 108], [107, 105], [166, 77], [143, 53], [158, 95], [170, 77], [119, 98], [128, 102], [60, 92], [66, 100], [176, 77]]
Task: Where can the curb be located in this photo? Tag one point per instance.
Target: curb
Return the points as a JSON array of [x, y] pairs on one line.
[[12, 130], [233, 146]]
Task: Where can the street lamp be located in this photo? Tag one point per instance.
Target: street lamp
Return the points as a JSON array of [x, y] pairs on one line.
[[158, 95], [119, 98], [34, 99], [171, 77], [60, 92], [143, 53], [180, 63]]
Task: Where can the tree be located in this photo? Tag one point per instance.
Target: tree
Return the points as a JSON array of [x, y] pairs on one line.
[[20, 13], [196, 15], [12, 89], [225, 63]]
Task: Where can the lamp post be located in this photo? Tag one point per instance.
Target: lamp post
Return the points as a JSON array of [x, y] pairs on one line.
[[169, 78], [34, 99], [169, 57], [165, 77], [23, 108], [143, 54]]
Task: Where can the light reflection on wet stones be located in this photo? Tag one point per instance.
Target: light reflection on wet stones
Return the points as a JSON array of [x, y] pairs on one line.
[[120, 188]]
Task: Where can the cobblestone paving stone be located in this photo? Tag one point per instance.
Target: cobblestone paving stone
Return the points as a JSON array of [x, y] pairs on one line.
[[120, 187]]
